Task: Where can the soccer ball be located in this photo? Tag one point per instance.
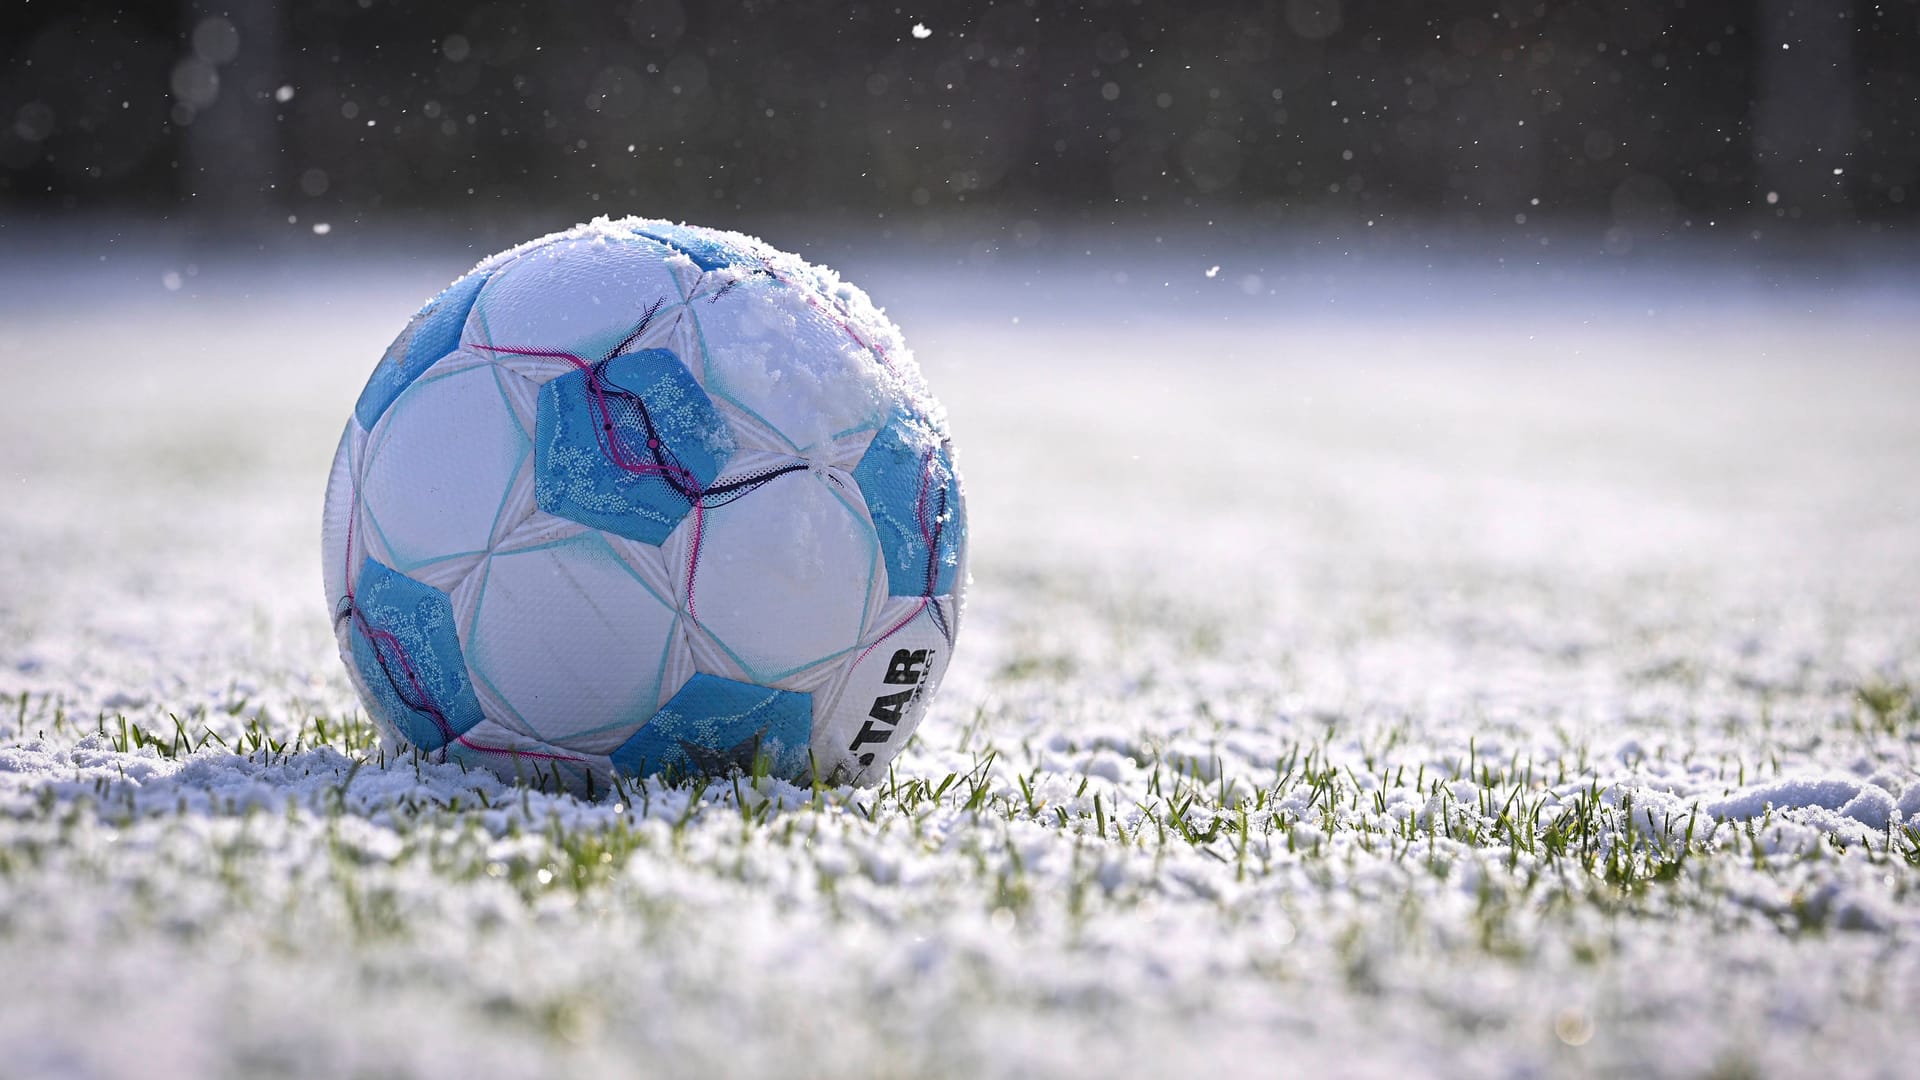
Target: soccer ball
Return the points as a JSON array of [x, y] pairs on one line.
[[642, 499]]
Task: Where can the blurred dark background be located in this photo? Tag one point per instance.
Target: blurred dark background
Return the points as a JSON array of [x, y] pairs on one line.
[[1649, 118]]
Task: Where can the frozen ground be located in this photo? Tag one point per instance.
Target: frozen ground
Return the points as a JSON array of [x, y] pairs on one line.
[[1376, 665]]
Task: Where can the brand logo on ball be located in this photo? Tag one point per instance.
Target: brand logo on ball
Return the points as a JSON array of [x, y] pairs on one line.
[[907, 668]]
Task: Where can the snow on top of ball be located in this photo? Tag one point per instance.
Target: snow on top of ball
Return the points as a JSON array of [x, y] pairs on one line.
[[852, 359]]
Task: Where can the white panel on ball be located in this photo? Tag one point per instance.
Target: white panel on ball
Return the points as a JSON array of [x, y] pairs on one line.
[[581, 296], [439, 465], [572, 640], [782, 575], [772, 350]]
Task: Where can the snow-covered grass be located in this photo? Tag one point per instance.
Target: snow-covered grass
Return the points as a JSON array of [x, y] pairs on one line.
[[1436, 686]]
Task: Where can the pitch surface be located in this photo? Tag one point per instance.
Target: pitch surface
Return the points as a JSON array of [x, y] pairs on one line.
[[1371, 669]]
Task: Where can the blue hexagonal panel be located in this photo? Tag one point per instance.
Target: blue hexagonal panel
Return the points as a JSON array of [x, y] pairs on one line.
[[914, 497], [709, 250], [408, 655], [714, 725], [628, 445], [433, 333]]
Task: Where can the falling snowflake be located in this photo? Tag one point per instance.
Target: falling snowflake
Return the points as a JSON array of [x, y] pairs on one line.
[[921, 32]]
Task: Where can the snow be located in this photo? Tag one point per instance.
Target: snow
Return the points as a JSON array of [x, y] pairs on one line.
[[1831, 793], [1409, 670]]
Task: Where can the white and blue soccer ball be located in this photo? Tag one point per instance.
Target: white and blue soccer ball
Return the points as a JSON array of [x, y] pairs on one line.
[[642, 499]]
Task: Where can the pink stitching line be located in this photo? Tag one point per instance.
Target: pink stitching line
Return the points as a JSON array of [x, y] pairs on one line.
[[511, 752], [693, 556], [927, 536]]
